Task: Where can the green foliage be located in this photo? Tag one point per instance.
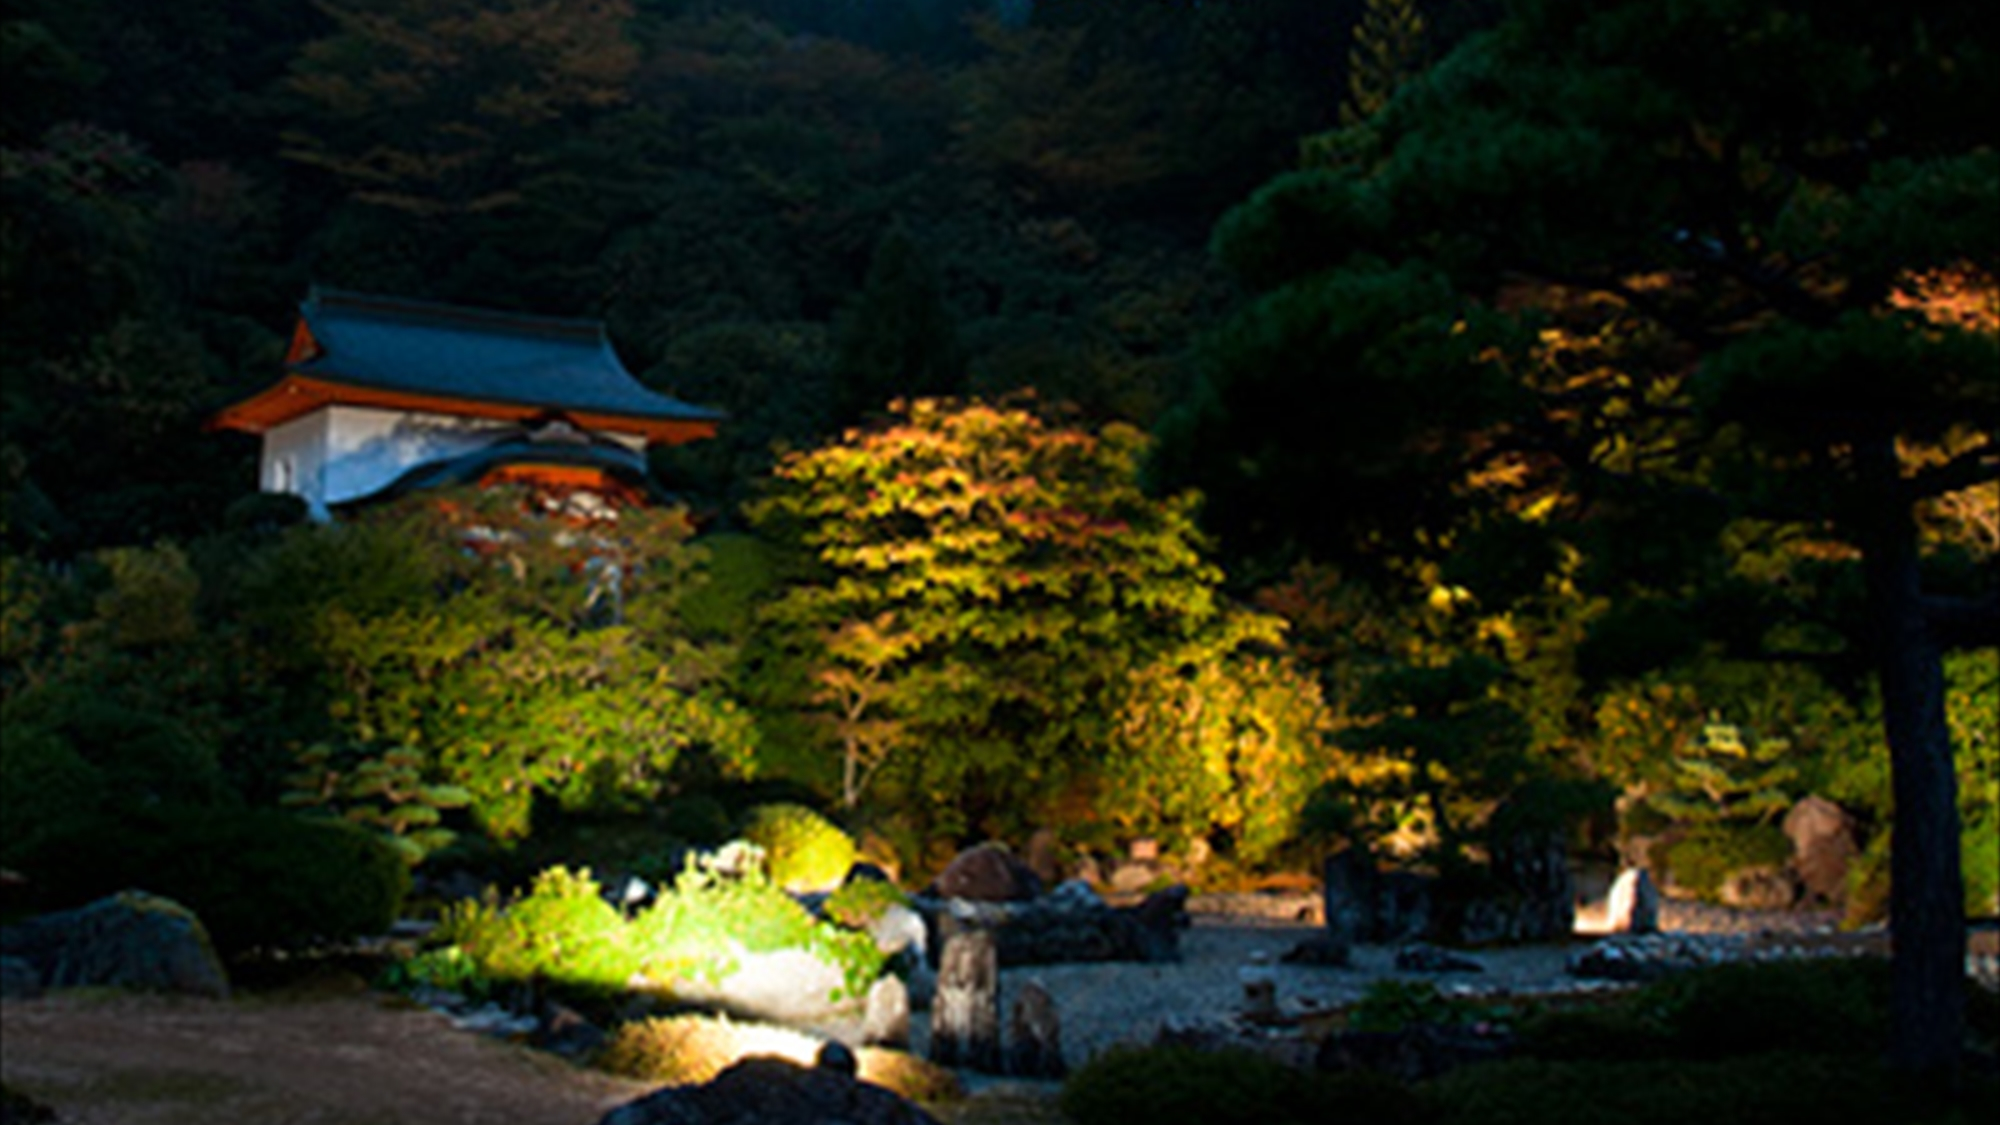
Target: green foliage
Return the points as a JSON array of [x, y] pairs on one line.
[[1722, 776], [898, 340], [1397, 1005], [860, 903], [422, 146], [1131, 1085], [1767, 1087], [1705, 857], [562, 931], [258, 879], [447, 967], [698, 819], [102, 754], [984, 582], [1829, 1006], [697, 928], [1388, 47], [543, 665], [384, 792], [1860, 780], [1220, 739], [803, 851], [45, 787]]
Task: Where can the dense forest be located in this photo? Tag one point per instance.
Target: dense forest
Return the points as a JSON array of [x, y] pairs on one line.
[[1257, 426]]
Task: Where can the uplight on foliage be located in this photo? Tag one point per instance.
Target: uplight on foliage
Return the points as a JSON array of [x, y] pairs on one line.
[[988, 588]]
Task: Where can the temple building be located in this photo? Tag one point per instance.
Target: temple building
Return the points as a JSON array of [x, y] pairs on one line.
[[382, 396]]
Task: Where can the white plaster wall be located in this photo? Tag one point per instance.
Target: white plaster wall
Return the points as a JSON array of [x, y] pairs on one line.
[[340, 453], [366, 449], [294, 460]]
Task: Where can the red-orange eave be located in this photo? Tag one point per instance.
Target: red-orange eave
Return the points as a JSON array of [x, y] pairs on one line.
[[298, 395]]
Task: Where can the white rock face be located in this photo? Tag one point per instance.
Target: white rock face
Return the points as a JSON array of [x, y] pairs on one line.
[[1634, 905]]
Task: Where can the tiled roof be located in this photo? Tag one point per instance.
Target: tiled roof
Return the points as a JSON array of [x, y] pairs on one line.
[[450, 352]]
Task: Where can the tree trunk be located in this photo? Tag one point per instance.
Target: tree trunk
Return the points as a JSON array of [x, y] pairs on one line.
[[1927, 895]]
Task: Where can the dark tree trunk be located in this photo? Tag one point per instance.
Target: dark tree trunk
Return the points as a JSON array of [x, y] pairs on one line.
[[1927, 896]]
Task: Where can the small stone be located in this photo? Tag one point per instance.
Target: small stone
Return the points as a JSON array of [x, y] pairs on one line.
[[886, 1018]]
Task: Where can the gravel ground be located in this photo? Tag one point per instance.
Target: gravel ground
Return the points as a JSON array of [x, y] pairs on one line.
[[1110, 1003]]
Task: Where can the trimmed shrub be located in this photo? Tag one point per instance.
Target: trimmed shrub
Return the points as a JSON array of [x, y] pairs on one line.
[[803, 850], [561, 932], [257, 879]]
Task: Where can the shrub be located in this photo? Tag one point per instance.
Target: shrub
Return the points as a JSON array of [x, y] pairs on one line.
[[1703, 859], [1762, 1089], [45, 786], [1833, 1006], [697, 819], [562, 932], [257, 879], [860, 903], [1611, 1032], [803, 850], [1144, 1086], [695, 930]]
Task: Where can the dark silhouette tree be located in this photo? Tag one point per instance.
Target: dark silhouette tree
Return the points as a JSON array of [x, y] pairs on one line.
[[1651, 265]]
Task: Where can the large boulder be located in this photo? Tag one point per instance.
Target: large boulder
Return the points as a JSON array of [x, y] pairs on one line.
[[987, 873], [129, 940], [1823, 844], [772, 1091], [787, 986]]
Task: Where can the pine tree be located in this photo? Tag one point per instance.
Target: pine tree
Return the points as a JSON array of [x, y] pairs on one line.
[[1388, 49]]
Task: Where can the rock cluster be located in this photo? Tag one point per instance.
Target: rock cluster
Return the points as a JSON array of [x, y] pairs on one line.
[[1070, 924]]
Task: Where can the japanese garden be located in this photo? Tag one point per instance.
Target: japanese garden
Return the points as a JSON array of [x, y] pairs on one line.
[[1001, 561]]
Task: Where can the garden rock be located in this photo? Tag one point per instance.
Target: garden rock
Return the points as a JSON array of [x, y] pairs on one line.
[[1034, 1036], [129, 940], [772, 1091], [1533, 867], [1364, 906], [1823, 845], [1323, 951], [987, 873], [1634, 903], [965, 1014], [1066, 928], [1422, 958], [898, 928], [788, 986], [885, 1020]]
